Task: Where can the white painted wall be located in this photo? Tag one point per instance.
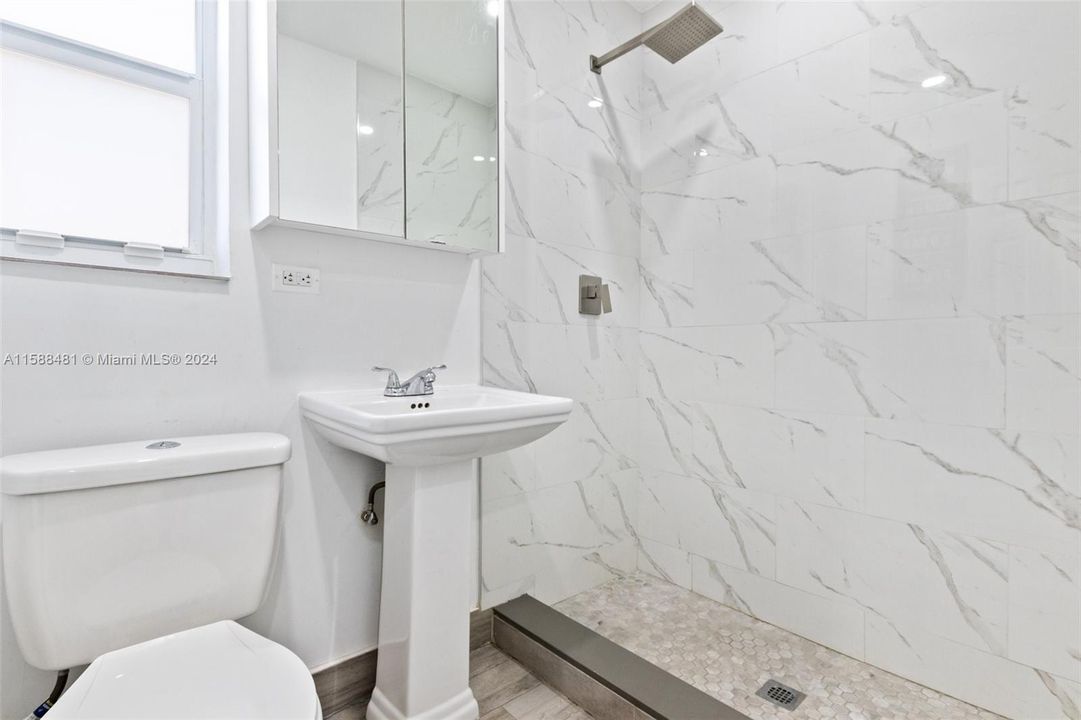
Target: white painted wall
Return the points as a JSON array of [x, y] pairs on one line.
[[380, 304]]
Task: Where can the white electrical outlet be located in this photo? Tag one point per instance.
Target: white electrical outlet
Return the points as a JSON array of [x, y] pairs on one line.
[[292, 278]]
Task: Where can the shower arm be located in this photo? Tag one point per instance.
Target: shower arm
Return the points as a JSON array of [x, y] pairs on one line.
[[689, 28], [596, 63]]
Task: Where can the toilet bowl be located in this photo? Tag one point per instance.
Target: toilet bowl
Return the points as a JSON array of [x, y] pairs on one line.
[[137, 558]]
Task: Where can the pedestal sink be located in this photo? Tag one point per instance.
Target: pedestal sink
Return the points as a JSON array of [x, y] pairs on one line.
[[428, 443]]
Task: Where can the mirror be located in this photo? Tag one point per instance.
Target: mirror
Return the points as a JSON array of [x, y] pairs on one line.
[[340, 114], [451, 141], [387, 118]]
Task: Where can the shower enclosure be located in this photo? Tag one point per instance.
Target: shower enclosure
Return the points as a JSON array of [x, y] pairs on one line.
[[839, 391]]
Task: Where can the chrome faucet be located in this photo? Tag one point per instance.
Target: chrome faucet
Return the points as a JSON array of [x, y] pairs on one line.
[[420, 384]]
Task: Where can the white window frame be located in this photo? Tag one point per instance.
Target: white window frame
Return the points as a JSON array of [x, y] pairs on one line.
[[207, 252]]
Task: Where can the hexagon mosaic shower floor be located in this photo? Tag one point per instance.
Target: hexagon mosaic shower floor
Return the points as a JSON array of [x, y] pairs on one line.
[[730, 655]]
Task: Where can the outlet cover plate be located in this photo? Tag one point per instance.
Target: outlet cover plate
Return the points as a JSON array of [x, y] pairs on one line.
[[294, 278]]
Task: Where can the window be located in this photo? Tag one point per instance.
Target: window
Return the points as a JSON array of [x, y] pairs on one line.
[[107, 134]]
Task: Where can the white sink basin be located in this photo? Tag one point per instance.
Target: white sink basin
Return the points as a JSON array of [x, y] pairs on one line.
[[458, 422]]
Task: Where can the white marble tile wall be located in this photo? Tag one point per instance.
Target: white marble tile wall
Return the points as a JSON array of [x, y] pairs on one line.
[[557, 516], [841, 387], [860, 343]]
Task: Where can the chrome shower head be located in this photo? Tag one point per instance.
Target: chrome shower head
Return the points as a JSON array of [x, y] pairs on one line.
[[673, 39]]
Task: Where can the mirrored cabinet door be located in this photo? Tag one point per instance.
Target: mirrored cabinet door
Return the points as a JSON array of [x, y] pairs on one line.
[[452, 121], [340, 114], [378, 119]]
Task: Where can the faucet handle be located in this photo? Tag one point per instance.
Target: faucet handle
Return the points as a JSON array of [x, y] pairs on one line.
[[428, 376], [392, 377]]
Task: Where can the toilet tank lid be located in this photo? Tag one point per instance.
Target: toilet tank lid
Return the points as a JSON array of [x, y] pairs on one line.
[[141, 461]]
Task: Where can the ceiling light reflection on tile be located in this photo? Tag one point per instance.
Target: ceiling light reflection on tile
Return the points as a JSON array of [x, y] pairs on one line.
[[595, 103], [364, 129], [933, 81]]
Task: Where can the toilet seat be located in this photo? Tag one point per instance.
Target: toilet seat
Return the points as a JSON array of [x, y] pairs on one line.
[[218, 671]]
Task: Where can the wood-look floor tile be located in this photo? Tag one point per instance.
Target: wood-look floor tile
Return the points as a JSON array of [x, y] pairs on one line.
[[497, 714], [484, 659], [529, 701], [496, 687]]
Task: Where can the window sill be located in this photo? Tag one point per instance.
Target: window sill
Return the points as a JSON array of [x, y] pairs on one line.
[[113, 257]]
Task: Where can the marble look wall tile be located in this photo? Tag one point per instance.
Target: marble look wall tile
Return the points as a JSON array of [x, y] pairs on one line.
[[549, 44], [505, 354], [708, 364], [665, 435], [561, 574], [799, 278], [666, 290], [508, 473], [964, 43], [951, 586], [559, 268], [803, 27], [747, 47], [574, 516], [836, 624], [492, 596], [562, 127], [537, 281], [720, 522], [1014, 259], [508, 558], [734, 203], [597, 439], [1023, 489], [579, 550], [855, 318], [569, 206], [722, 128], [945, 159], [585, 362], [666, 562], [824, 92], [818, 458], [1045, 143], [1045, 611], [943, 371], [982, 678], [1043, 375], [560, 539]]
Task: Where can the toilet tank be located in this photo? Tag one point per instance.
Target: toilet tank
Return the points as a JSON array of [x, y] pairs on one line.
[[111, 545]]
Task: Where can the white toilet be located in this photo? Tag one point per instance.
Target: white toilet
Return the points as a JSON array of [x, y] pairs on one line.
[[135, 558]]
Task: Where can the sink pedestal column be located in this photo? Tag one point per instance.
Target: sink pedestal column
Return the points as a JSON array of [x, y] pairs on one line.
[[423, 667]]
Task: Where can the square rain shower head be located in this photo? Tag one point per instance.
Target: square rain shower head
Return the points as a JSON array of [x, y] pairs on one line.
[[684, 32], [673, 39]]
